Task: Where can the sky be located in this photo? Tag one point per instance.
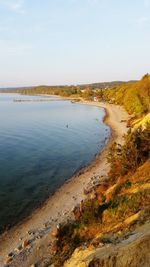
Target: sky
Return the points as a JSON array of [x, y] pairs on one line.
[[55, 42]]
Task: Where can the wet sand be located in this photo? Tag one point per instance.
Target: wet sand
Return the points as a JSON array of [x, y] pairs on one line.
[[38, 227]]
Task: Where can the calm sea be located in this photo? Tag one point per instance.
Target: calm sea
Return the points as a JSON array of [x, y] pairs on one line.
[[42, 144]]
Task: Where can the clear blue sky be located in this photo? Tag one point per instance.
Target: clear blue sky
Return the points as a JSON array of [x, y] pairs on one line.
[[73, 41]]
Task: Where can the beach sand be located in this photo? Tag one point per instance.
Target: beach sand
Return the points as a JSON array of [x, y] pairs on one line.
[[38, 227]]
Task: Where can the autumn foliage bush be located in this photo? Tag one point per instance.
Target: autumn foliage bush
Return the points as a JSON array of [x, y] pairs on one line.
[[134, 152]]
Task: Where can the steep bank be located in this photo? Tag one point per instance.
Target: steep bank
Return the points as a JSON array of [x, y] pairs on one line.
[[58, 208], [132, 252]]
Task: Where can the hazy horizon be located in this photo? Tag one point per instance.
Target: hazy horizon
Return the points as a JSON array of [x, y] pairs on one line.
[[71, 84], [69, 42]]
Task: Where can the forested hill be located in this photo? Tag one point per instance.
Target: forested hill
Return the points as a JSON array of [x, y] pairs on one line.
[[134, 97], [106, 85], [64, 89]]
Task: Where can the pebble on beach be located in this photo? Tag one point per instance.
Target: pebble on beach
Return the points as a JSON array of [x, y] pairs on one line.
[[18, 249], [11, 254], [25, 243]]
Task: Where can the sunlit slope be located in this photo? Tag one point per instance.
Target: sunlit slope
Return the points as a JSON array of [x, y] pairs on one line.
[[134, 97]]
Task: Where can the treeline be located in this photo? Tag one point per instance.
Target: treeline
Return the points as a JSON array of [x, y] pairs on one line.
[[88, 89], [105, 85], [70, 89], [65, 91], [134, 97]]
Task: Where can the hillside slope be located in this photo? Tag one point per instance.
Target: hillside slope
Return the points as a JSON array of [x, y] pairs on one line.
[[132, 252], [134, 97]]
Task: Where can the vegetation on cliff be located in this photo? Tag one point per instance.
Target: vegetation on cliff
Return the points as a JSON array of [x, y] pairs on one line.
[[134, 97]]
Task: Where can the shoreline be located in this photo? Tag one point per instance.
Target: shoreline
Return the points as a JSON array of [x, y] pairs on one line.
[[78, 172], [59, 206]]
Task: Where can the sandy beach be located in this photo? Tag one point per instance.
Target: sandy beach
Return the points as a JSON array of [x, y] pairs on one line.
[[39, 226]]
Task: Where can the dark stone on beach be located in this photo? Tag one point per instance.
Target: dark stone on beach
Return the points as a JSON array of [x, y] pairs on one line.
[[19, 248], [11, 254], [77, 212], [45, 225], [29, 232], [85, 191], [38, 237]]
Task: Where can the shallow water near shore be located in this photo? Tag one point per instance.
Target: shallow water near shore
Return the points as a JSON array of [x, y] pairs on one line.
[[42, 144]]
